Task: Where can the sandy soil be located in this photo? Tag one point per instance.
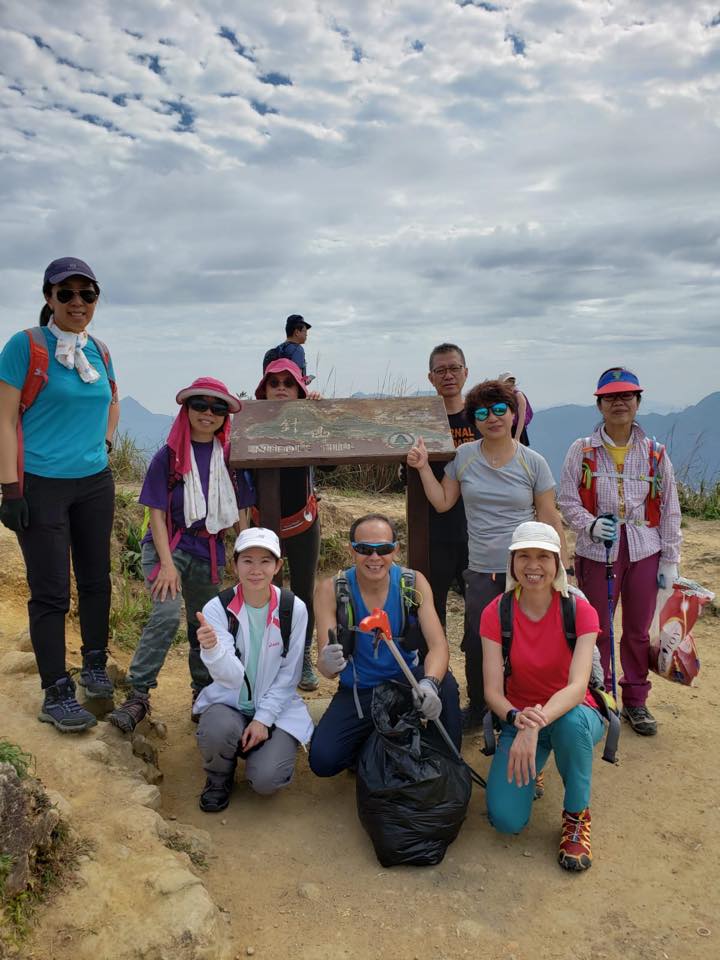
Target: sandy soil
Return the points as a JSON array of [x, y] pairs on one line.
[[298, 877]]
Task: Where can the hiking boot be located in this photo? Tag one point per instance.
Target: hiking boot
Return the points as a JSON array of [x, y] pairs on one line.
[[472, 717], [127, 716], [61, 709], [575, 852], [216, 793], [308, 678], [539, 786], [93, 676], [641, 720]]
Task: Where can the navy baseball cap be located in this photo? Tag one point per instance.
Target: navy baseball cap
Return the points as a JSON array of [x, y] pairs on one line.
[[293, 322], [617, 380], [65, 267]]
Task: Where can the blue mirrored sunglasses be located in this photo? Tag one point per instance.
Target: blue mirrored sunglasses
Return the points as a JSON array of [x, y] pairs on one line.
[[368, 549], [497, 409]]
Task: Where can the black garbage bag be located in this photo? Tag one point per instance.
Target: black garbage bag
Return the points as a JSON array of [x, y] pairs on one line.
[[412, 795]]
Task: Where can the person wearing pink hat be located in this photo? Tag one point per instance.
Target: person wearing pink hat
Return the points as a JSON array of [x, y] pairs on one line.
[[299, 526], [192, 498], [618, 493]]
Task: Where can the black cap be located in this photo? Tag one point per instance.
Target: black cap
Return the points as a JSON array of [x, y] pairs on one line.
[[293, 322]]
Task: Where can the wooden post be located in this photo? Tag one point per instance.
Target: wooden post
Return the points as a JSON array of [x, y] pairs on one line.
[[268, 497], [418, 524]]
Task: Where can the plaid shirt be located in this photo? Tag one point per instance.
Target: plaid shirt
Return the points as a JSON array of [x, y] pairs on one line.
[[643, 541]]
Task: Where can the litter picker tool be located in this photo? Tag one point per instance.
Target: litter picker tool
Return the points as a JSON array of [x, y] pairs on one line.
[[378, 624]]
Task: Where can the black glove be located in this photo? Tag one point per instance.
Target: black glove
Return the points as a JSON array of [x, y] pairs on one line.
[[14, 512]]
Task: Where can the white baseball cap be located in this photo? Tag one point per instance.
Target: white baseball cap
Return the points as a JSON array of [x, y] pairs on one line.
[[258, 537]]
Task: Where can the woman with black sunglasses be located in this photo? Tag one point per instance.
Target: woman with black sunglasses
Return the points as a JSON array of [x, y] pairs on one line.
[[299, 524], [192, 498], [502, 485], [58, 414]]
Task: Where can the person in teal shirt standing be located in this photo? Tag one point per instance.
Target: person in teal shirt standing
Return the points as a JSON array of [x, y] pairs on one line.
[[57, 488]]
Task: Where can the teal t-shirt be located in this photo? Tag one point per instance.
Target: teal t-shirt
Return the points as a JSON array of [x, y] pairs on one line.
[[257, 619], [64, 430]]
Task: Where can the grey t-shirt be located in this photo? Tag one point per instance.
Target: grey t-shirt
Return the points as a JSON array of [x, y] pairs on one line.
[[497, 500]]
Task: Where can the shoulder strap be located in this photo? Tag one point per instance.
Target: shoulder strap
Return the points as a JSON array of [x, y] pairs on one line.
[[225, 597], [567, 606], [407, 596], [37, 371], [287, 601], [343, 601], [505, 611], [105, 354]]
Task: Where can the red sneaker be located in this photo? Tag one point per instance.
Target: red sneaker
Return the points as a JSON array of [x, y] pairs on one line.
[[575, 852]]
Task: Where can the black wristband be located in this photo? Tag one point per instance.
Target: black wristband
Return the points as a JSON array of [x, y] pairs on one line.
[[435, 682], [510, 716], [108, 446]]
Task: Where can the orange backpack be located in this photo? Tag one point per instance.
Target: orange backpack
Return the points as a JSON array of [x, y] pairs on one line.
[[588, 480], [37, 377]]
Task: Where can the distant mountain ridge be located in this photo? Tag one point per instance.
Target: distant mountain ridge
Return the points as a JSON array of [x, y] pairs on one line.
[[692, 436]]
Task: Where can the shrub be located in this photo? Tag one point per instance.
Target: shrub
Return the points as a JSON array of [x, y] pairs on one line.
[[127, 461], [703, 502], [16, 757]]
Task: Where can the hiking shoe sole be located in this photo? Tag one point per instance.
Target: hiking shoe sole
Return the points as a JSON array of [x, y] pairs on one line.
[[574, 864], [79, 727]]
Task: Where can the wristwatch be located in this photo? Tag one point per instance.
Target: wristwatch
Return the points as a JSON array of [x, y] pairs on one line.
[[108, 446], [510, 716]]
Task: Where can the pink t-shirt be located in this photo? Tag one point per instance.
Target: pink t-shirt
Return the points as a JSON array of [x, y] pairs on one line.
[[540, 656]]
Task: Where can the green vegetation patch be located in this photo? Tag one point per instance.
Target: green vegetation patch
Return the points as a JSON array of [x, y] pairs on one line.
[[16, 757]]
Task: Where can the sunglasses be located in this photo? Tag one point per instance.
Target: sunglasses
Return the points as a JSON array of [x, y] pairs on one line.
[[626, 395], [218, 407], [497, 409], [276, 382], [65, 295], [368, 549]]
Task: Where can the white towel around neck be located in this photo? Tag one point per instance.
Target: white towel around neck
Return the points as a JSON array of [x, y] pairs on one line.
[[69, 352], [221, 512]]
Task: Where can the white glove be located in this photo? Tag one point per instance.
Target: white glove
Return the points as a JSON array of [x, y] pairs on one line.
[[667, 575], [604, 528], [331, 661], [427, 700]]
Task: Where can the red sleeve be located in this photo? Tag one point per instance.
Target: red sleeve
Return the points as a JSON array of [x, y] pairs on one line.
[[586, 618], [490, 621]]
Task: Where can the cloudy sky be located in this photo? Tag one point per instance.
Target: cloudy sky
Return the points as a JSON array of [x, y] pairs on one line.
[[537, 181]]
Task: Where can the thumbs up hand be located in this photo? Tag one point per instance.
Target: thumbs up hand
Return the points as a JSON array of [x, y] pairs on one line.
[[207, 638]]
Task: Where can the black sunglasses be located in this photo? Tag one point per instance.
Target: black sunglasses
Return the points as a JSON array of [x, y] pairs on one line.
[[65, 295], [218, 407], [368, 549], [276, 382]]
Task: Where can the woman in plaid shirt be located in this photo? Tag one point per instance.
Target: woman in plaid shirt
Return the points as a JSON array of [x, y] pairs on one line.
[[618, 486]]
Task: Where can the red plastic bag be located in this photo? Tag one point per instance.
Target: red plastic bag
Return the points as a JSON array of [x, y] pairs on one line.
[[673, 654]]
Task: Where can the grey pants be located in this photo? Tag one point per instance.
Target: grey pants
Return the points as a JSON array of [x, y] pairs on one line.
[[159, 632], [267, 769]]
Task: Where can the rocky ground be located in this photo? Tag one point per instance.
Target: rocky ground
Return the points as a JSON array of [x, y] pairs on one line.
[[295, 875]]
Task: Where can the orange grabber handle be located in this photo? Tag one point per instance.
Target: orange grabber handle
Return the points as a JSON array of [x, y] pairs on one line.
[[378, 620]]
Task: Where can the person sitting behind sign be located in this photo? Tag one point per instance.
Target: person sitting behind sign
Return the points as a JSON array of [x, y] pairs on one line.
[[251, 708], [299, 524], [375, 581], [542, 696]]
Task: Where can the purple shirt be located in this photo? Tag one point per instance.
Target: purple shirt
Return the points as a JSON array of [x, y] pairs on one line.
[[154, 493]]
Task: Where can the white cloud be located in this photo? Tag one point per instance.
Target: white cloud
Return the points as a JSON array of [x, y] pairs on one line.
[[417, 180]]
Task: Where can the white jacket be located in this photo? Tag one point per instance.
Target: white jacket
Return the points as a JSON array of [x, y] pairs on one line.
[[275, 695]]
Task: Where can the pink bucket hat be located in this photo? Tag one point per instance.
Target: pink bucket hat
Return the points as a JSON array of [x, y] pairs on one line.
[[209, 387], [281, 366]]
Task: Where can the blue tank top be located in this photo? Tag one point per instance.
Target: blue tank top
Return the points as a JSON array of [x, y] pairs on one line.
[[373, 666]]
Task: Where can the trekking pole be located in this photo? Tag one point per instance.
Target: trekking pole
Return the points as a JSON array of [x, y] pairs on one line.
[[379, 624], [610, 576]]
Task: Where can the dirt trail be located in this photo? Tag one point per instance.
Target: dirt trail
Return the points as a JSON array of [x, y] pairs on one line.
[[298, 877]]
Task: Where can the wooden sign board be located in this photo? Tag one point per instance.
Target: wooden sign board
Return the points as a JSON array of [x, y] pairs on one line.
[[296, 433]]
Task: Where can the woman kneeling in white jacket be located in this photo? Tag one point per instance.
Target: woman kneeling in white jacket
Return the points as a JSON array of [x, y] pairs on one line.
[[251, 709]]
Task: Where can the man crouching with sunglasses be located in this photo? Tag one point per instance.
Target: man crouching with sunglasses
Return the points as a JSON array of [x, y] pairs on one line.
[[375, 580]]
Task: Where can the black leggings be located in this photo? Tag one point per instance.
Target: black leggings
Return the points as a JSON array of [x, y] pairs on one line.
[[67, 517], [303, 553]]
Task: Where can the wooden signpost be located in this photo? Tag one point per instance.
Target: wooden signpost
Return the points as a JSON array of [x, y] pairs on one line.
[[269, 435]]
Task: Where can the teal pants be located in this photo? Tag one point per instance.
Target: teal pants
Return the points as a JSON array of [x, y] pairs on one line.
[[572, 738]]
